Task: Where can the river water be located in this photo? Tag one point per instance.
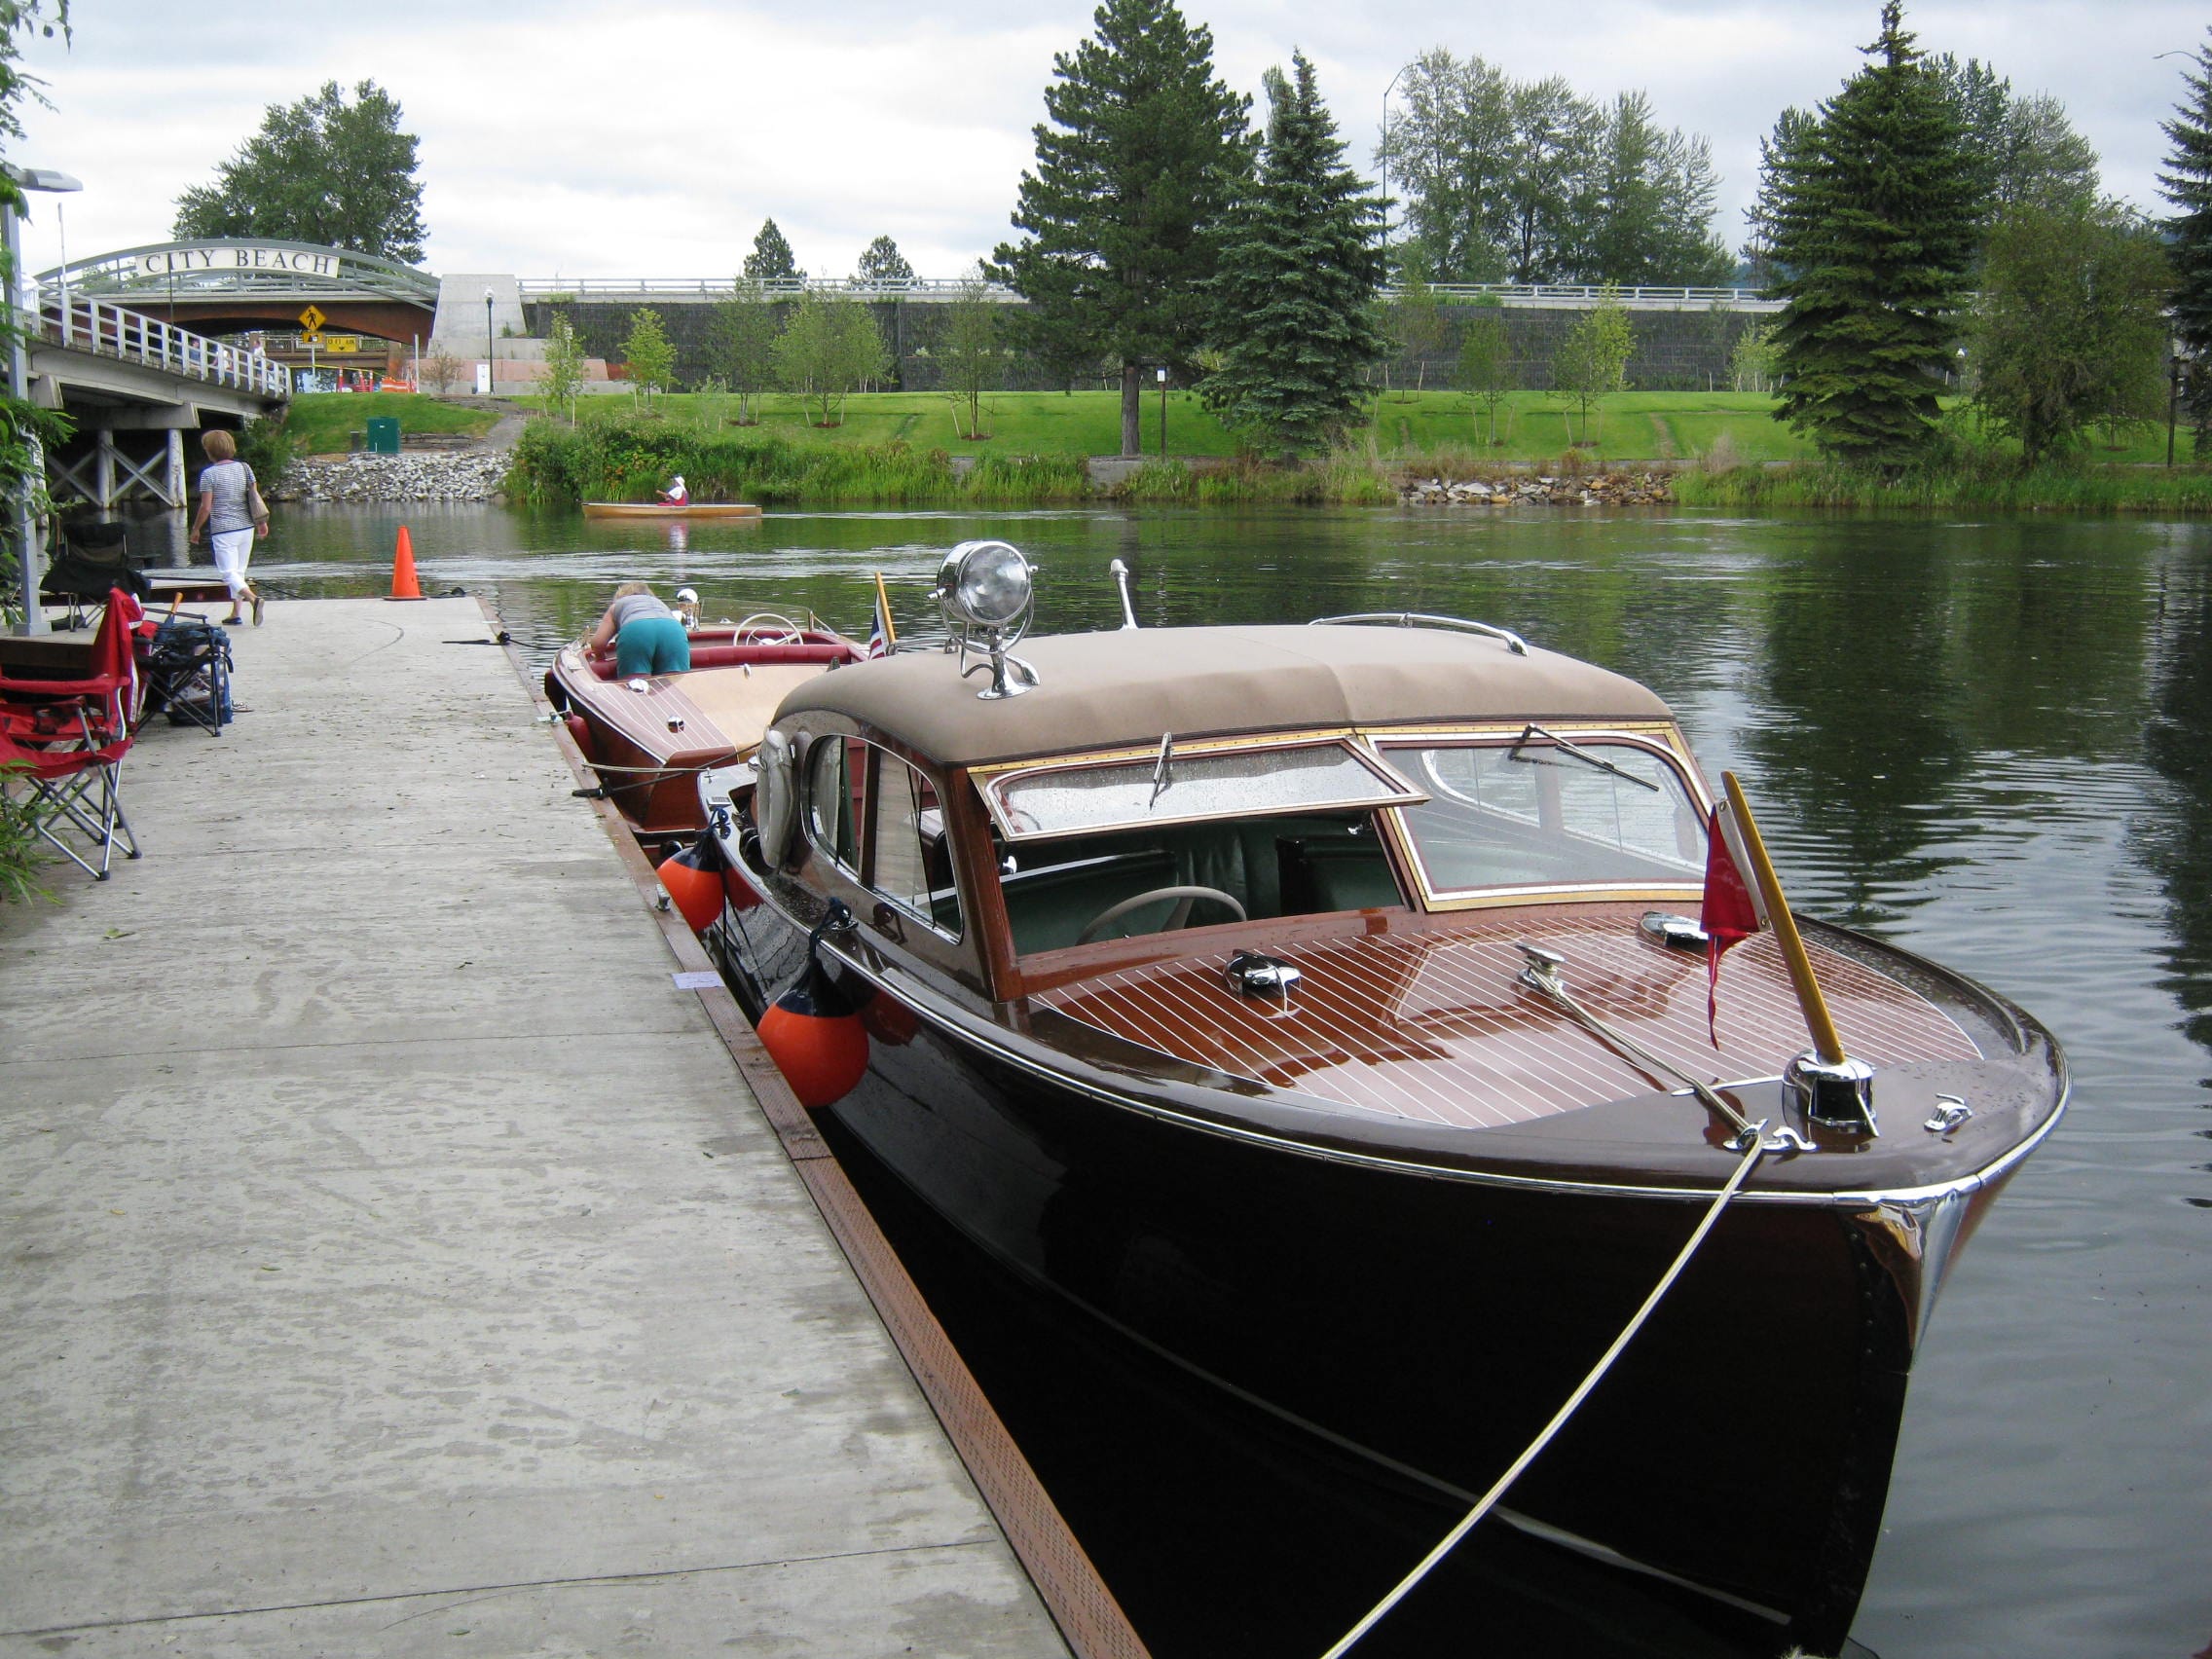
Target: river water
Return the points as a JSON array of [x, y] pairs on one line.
[[1989, 739]]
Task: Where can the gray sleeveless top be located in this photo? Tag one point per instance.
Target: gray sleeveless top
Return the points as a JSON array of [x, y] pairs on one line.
[[228, 481]]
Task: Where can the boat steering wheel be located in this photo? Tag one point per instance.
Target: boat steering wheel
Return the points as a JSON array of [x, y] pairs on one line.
[[787, 632], [1179, 917]]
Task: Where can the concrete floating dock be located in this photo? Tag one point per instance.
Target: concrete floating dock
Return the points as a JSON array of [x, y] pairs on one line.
[[397, 1259]]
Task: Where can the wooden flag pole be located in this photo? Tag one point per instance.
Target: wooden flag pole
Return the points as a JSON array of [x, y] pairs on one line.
[[1826, 1043], [883, 602]]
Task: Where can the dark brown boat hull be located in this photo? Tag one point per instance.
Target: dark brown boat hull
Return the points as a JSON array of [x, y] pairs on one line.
[[1431, 1323]]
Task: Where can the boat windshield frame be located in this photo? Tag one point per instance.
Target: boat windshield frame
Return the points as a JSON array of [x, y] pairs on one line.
[[1659, 739], [1151, 771]]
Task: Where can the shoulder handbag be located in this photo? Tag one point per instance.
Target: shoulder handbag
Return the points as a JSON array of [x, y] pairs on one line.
[[254, 504]]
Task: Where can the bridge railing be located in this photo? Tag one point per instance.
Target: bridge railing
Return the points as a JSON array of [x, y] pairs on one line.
[[1536, 295], [111, 331]]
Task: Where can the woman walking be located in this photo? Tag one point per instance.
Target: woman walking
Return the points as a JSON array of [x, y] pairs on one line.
[[232, 513]]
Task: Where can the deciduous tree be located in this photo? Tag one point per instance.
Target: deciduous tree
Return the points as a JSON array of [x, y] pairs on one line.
[[770, 260], [1142, 153], [2070, 330], [1875, 217], [1484, 369], [650, 356], [971, 354], [1416, 320], [1300, 267], [564, 377], [741, 345], [324, 169], [1591, 363], [827, 348]]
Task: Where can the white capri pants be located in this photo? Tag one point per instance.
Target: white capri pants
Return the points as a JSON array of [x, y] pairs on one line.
[[232, 550]]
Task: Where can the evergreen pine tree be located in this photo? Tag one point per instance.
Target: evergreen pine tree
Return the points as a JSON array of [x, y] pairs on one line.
[[882, 262], [2188, 185], [1144, 151], [1874, 233], [770, 260], [1300, 268]]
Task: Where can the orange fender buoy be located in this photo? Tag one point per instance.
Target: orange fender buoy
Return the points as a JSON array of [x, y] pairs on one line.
[[813, 1032], [693, 879]]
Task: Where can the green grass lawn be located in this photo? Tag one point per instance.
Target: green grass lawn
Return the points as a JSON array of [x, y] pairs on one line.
[[320, 420], [1532, 428]]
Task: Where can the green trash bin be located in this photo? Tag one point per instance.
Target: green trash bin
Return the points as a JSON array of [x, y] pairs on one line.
[[383, 434]]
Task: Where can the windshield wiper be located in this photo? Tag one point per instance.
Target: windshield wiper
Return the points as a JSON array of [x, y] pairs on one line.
[[1580, 753]]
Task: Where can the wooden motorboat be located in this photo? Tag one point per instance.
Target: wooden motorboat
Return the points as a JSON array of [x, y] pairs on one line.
[[1311, 1007], [666, 510], [648, 738]]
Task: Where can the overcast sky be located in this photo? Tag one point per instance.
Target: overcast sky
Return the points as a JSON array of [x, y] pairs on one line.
[[650, 138]]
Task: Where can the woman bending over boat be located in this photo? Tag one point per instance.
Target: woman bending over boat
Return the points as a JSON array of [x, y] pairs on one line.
[[647, 637]]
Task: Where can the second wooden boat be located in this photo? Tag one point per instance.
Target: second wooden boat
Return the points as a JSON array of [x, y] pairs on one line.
[[648, 737]]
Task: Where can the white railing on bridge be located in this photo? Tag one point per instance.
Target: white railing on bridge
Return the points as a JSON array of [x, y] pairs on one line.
[[1539, 295], [775, 287], [110, 331]]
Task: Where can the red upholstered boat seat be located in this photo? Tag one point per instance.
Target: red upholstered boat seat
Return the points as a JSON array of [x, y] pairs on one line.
[[733, 656]]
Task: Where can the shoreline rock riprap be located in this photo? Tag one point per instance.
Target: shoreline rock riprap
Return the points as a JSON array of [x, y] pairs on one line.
[[1594, 489], [470, 475]]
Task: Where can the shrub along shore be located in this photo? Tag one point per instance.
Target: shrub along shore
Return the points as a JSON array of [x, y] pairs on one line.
[[902, 449]]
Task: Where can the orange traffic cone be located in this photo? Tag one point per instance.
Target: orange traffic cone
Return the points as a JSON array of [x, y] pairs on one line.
[[403, 582]]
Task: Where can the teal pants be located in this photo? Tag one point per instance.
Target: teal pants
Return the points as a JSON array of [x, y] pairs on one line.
[[652, 644]]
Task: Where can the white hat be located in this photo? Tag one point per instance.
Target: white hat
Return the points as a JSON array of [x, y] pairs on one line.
[[679, 478], [687, 596]]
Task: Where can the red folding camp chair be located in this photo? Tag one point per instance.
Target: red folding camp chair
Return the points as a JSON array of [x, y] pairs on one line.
[[65, 741]]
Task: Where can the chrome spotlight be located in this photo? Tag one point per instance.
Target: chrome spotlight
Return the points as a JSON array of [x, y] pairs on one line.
[[987, 593]]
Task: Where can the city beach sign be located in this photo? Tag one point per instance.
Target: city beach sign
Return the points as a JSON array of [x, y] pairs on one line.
[[240, 256]]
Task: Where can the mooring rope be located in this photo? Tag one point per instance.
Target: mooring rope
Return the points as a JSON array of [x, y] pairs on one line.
[[1752, 1156]]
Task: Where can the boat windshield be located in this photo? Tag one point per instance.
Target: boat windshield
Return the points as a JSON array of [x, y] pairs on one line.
[[1545, 810], [1186, 787]]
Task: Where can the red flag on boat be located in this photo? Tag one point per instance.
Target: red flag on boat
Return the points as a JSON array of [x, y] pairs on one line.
[[882, 637], [1733, 910]]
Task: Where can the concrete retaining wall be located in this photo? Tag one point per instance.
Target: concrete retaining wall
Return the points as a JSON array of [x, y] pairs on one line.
[[1674, 350]]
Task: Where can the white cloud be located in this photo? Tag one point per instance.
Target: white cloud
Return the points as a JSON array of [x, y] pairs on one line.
[[581, 137]]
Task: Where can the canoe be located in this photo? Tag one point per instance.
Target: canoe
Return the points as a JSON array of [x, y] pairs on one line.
[[1316, 1008], [662, 510]]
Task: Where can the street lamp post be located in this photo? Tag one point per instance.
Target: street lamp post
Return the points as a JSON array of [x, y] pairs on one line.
[[1383, 152], [19, 385], [489, 384]]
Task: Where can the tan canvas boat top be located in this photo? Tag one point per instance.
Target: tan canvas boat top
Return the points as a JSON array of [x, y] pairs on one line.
[[1126, 688]]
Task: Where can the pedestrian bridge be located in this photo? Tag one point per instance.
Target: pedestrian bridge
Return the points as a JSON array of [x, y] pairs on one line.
[[132, 386]]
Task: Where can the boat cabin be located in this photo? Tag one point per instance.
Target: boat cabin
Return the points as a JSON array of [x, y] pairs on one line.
[[1178, 781]]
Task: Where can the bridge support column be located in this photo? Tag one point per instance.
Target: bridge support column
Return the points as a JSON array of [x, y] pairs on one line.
[[173, 469], [103, 468]]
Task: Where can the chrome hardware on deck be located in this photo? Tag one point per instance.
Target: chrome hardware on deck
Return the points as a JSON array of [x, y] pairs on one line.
[[1950, 1112], [1678, 933], [1121, 575], [1254, 973], [1541, 976], [1514, 643], [1836, 1092]]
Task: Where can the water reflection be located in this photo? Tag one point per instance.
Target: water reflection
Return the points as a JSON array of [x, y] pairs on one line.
[[1990, 740]]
